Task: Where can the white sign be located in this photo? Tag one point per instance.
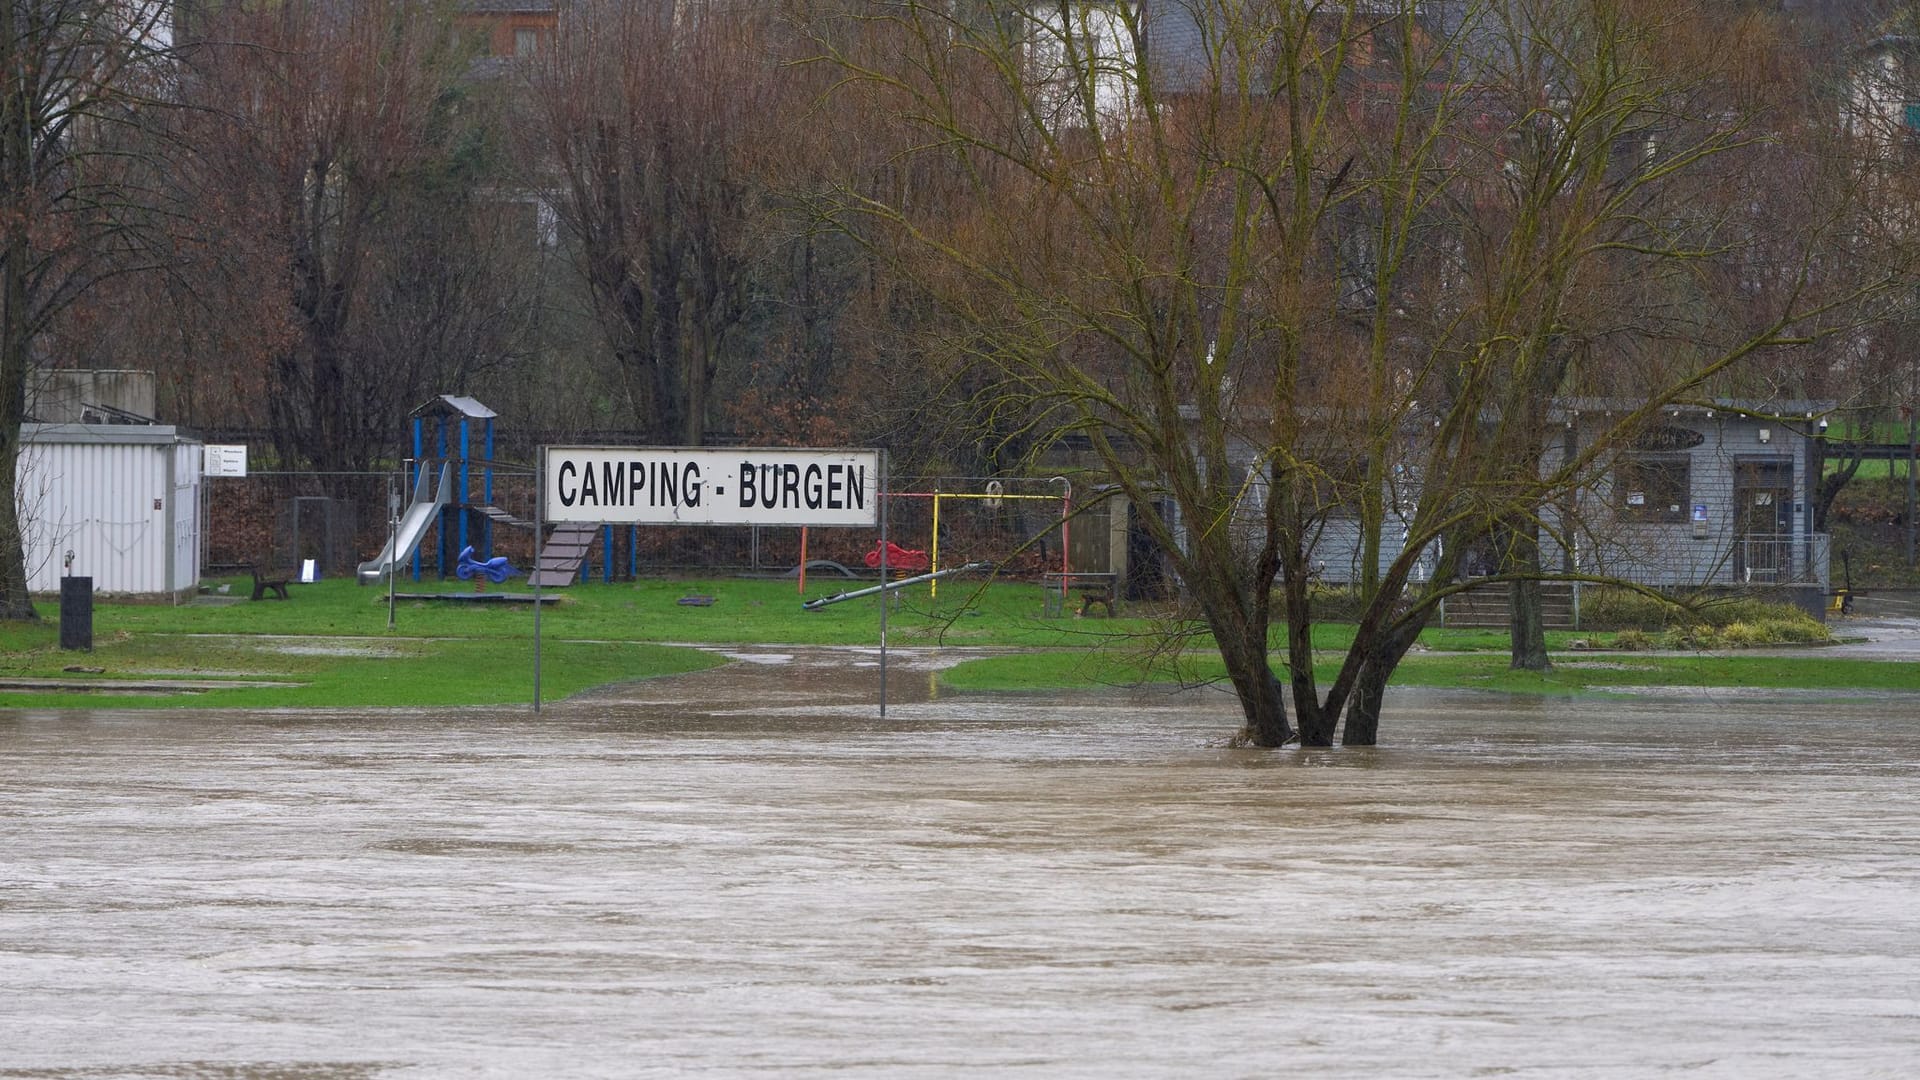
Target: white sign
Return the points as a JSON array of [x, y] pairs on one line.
[[224, 461], [654, 486]]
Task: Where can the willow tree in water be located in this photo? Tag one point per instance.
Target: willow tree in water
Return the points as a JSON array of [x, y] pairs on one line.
[[1228, 245]]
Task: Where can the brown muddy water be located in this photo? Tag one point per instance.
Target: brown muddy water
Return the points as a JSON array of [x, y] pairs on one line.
[[745, 872]]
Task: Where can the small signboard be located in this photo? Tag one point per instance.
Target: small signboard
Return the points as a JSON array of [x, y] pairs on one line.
[[224, 461], [668, 486]]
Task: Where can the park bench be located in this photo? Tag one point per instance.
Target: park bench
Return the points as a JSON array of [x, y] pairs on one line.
[[268, 583]]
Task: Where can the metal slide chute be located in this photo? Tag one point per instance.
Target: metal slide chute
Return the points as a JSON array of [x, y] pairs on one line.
[[419, 518]]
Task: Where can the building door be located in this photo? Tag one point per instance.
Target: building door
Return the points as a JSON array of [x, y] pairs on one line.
[[1763, 520]]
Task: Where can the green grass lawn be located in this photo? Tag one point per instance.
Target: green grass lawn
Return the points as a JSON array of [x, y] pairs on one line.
[[330, 645], [1880, 469], [1879, 431], [331, 642], [742, 611]]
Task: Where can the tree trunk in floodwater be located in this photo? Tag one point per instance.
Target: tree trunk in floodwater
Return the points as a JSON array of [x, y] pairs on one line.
[[1370, 688], [1262, 697], [1317, 726], [1363, 712], [1237, 613]]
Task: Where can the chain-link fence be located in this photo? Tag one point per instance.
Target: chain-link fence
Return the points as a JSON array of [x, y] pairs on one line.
[[341, 520]]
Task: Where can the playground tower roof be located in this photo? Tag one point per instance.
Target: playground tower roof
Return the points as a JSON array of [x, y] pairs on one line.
[[454, 404]]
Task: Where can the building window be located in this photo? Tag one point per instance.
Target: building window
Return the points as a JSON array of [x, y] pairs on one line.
[[1652, 488], [526, 41]]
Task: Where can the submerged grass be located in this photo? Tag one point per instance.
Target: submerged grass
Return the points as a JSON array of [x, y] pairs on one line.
[[1589, 672], [316, 673]]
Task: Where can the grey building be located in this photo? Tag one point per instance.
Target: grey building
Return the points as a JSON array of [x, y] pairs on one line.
[[1711, 495]]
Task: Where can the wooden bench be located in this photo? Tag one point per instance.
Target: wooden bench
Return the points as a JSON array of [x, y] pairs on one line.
[[1094, 588], [268, 583]]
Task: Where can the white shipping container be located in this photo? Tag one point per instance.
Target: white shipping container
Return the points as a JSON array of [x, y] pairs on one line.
[[122, 499]]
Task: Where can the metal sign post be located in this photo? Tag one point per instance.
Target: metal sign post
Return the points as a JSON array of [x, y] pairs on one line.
[[393, 540], [539, 535], [886, 599]]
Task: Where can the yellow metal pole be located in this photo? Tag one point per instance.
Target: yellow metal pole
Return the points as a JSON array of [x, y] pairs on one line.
[[933, 587]]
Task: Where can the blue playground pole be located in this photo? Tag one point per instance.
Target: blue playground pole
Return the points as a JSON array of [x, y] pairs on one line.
[[419, 448], [486, 527], [459, 507], [446, 451]]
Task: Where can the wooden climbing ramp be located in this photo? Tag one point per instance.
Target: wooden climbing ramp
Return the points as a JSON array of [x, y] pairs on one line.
[[558, 564]]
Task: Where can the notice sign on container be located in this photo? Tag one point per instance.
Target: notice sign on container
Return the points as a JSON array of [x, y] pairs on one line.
[[648, 486], [224, 460]]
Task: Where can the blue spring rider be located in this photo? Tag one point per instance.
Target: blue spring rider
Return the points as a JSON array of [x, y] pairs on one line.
[[495, 569]]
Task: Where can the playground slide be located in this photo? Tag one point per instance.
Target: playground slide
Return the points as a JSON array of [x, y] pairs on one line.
[[413, 525]]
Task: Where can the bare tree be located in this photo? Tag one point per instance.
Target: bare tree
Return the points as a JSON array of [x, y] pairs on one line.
[[645, 123], [1257, 271], [1592, 206], [77, 78], [1876, 377], [326, 176]]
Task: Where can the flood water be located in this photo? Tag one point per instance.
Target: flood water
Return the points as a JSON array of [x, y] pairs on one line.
[[747, 872]]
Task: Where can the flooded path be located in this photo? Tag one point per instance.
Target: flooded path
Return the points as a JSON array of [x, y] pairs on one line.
[[1884, 627], [746, 872]]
